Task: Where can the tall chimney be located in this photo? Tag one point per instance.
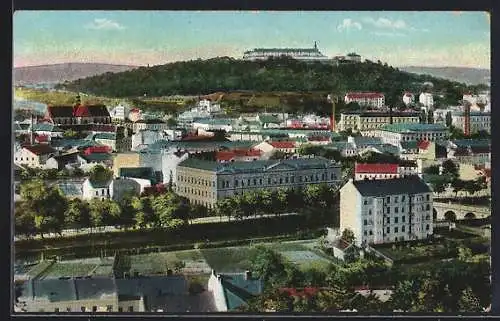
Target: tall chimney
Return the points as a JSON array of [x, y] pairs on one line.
[[467, 119]]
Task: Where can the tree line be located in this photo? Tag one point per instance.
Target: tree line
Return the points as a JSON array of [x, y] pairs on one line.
[[44, 209], [275, 74], [444, 286]]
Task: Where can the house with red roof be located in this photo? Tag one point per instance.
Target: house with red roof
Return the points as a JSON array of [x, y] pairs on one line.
[[284, 146], [34, 155], [384, 171], [371, 99]]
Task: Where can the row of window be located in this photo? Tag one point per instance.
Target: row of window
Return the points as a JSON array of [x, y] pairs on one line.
[[198, 192], [27, 159], [281, 180], [195, 180], [109, 308]]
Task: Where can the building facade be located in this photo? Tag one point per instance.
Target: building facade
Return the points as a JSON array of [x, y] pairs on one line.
[[34, 156], [426, 99], [303, 54], [387, 210], [364, 121], [205, 182], [395, 134], [408, 98], [366, 99], [479, 121]]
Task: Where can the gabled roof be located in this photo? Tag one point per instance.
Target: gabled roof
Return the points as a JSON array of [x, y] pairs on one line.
[[60, 111], [377, 168], [41, 149], [384, 187], [98, 111]]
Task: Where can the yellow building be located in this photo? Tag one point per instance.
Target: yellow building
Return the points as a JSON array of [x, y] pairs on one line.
[[123, 160], [370, 120]]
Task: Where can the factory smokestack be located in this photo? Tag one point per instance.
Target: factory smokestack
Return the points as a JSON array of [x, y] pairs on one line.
[[467, 118]]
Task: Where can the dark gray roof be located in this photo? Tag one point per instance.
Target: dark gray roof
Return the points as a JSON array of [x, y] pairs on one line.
[[94, 288], [151, 286], [382, 187]]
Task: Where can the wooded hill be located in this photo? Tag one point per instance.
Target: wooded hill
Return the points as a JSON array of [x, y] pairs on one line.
[[200, 77]]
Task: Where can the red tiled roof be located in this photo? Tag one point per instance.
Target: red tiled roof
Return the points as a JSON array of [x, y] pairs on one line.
[[42, 138], [82, 111], [377, 168], [97, 149], [423, 144], [283, 144], [229, 155], [40, 149], [364, 95], [247, 152]]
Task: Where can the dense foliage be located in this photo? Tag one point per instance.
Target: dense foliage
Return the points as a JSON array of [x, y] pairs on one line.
[[278, 74], [446, 286]]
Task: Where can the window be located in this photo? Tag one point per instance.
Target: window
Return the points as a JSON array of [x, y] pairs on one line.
[[396, 229], [396, 210], [403, 218], [370, 212], [260, 181], [396, 220], [236, 183], [388, 210], [300, 178], [365, 202], [388, 220], [371, 232], [395, 198], [402, 209], [56, 310], [388, 199], [402, 228], [269, 181], [109, 308], [281, 180], [68, 309], [97, 193], [388, 230], [130, 309], [403, 198], [365, 233], [94, 308], [254, 181], [365, 222], [427, 227], [83, 309], [120, 309], [286, 179], [428, 207]]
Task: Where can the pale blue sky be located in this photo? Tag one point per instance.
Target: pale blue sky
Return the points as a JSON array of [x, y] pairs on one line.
[[158, 37]]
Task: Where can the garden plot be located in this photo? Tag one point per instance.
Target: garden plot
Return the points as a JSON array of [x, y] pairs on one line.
[[304, 257], [159, 263], [228, 259]]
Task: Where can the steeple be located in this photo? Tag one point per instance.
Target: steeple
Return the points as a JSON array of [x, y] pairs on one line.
[[315, 45]]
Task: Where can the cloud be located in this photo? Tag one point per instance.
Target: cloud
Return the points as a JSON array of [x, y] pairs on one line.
[[104, 24], [385, 23], [349, 24], [388, 34]]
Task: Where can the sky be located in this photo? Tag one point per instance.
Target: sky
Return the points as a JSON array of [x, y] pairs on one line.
[[460, 39]]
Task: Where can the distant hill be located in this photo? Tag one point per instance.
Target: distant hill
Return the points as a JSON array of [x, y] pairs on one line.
[[470, 76], [63, 72]]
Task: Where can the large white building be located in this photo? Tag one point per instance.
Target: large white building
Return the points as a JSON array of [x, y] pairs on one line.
[[479, 121], [387, 210], [426, 99], [395, 134], [303, 54], [366, 99]]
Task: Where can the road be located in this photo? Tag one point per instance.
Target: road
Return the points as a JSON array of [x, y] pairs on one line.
[[105, 229]]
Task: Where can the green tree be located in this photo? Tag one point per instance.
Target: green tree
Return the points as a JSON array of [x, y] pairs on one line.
[[449, 167], [100, 174], [403, 296], [172, 122], [77, 215], [469, 302], [348, 236]]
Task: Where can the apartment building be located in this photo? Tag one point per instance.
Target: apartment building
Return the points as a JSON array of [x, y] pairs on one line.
[[205, 182], [386, 210], [479, 121], [394, 134], [370, 120]]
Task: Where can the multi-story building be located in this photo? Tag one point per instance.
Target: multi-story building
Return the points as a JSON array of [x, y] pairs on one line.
[[366, 99], [426, 99], [470, 151], [303, 54], [479, 121], [205, 182], [408, 98], [387, 210], [370, 120], [394, 134]]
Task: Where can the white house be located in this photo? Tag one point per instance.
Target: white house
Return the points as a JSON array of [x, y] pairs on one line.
[[408, 98], [426, 99], [120, 112], [34, 155], [386, 210], [114, 189], [96, 189]]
